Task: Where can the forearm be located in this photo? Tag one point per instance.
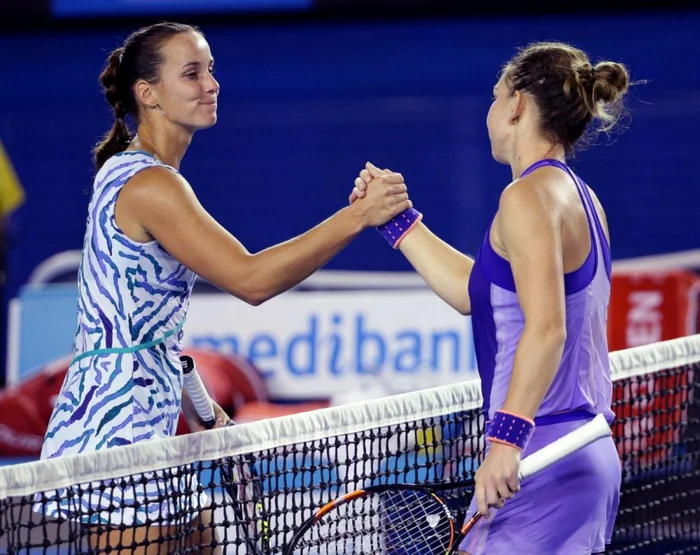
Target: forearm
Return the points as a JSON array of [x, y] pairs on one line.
[[537, 360], [444, 269], [279, 268]]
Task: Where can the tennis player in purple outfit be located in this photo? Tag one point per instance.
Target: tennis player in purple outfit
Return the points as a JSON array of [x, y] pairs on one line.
[[538, 293]]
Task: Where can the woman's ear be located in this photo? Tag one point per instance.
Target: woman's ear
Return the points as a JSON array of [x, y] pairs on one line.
[[145, 94], [516, 106]]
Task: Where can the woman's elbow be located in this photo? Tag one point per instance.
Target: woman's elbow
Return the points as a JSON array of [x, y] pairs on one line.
[[552, 334], [251, 294], [254, 301], [256, 296], [460, 303]]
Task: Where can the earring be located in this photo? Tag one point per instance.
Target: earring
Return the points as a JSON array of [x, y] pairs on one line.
[[161, 109]]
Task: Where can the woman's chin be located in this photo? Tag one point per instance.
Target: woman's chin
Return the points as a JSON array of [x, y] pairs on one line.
[[209, 122]]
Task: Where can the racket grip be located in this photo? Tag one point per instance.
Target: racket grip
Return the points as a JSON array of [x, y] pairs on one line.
[[197, 392], [588, 433]]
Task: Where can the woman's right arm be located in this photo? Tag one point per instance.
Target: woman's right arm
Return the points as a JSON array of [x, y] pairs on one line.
[[442, 267], [163, 205]]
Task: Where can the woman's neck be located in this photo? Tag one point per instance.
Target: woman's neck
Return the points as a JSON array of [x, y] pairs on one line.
[[533, 152], [168, 146]]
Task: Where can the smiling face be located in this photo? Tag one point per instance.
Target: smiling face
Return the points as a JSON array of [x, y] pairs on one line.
[[186, 90]]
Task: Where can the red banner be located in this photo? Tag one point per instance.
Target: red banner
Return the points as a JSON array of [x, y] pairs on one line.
[[646, 308], [650, 307]]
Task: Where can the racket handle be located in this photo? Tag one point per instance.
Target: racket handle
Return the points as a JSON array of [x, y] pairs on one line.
[[198, 393], [594, 430], [588, 433]]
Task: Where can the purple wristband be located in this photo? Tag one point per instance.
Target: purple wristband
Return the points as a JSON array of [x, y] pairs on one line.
[[396, 228], [510, 429]]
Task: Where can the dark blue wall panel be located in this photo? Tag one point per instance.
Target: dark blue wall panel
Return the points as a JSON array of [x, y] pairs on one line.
[[302, 108]]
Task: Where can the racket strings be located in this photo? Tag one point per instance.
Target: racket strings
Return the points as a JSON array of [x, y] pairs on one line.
[[350, 528], [246, 496], [424, 525], [400, 522]]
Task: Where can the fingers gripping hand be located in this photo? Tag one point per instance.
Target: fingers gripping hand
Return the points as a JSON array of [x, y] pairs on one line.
[[385, 195], [360, 185], [497, 478], [193, 419], [358, 190]]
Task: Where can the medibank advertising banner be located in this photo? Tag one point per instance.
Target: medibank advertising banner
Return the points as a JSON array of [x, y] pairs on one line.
[[316, 344], [321, 344]]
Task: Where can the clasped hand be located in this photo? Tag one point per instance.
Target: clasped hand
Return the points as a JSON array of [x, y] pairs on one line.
[[380, 194]]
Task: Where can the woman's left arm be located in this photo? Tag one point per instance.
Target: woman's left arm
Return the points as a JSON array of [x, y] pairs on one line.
[[529, 230], [529, 227]]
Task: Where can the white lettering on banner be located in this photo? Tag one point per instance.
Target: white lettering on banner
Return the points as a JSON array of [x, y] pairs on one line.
[[644, 318], [20, 440], [319, 344]]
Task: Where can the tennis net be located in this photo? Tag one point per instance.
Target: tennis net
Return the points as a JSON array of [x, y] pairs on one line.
[[261, 480]]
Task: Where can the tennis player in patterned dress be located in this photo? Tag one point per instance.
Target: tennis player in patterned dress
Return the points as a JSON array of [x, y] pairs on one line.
[[538, 293], [147, 238]]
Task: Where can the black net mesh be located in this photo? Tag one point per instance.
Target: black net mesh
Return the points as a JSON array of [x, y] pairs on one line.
[[245, 489]]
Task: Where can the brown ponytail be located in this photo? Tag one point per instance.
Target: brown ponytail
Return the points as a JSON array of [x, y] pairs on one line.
[[139, 58], [118, 137]]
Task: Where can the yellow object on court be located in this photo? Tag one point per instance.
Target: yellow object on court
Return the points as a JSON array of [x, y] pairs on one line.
[[11, 192]]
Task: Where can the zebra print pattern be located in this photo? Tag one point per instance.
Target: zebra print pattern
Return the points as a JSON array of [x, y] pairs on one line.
[[130, 296]]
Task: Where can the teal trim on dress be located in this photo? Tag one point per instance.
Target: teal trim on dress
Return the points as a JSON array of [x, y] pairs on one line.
[[128, 350]]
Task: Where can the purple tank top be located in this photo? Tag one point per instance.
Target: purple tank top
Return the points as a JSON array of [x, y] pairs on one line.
[[582, 382]]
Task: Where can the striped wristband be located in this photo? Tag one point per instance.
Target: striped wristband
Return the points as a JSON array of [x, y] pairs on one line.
[[510, 429], [397, 228]]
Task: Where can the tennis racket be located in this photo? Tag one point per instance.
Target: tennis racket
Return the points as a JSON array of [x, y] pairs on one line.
[[240, 479], [406, 519]]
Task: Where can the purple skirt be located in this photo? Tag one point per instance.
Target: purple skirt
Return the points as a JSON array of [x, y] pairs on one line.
[[567, 509]]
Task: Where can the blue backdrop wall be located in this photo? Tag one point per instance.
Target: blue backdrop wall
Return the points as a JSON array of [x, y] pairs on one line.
[[302, 107]]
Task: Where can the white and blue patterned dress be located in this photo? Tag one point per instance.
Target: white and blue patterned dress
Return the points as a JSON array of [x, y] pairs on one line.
[[124, 384]]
